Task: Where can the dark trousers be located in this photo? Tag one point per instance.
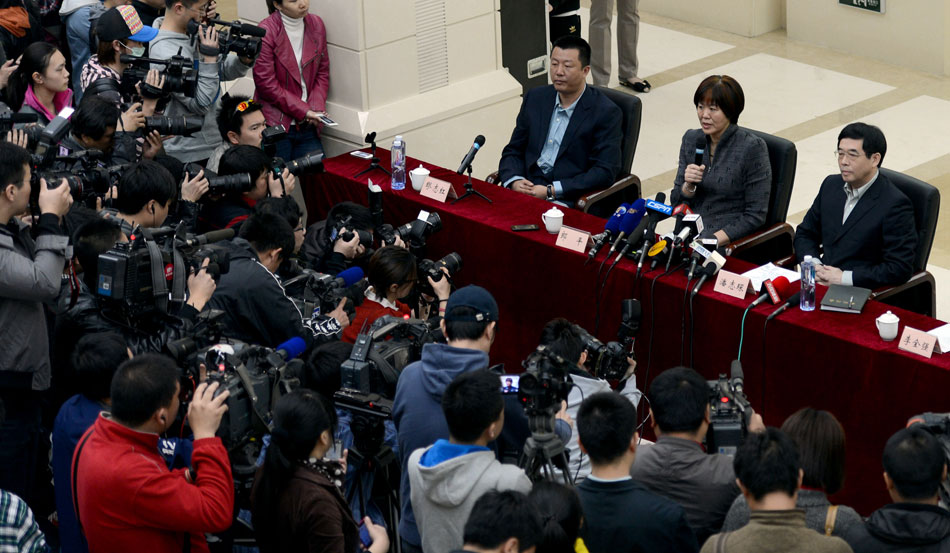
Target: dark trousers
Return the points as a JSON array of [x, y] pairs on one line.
[[299, 143], [19, 441]]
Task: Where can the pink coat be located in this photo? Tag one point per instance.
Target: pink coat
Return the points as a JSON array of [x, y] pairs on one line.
[[277, 77]]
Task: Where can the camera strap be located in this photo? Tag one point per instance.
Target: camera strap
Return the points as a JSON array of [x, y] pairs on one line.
[[241, 371], [159, 285], [179, 276]]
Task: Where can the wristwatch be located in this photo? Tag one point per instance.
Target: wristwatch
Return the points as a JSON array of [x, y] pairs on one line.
[[550, 192]]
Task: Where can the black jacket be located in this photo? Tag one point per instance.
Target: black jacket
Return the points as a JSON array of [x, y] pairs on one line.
[[624, 517], [257, 310], [878, 242], [903, 527]]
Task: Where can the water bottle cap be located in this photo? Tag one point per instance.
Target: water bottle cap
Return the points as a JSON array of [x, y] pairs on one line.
[[807, 258], [398, 137]]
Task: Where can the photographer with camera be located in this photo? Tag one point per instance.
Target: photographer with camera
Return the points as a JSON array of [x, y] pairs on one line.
[[124, 493], [392, 275], [148, 191], [325, 247], [677, 466], [213, 66], [564, 339], [120, 31], [240, 122], [297, 503], [231, 210], [30, 274], [257, 311]]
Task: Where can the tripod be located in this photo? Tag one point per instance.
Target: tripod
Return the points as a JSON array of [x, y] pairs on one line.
[[470, 189], [371, 457], [374, 162], [543, 451]]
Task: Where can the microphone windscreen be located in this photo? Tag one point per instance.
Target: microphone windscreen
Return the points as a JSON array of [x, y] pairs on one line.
[[253, 30], [294, 347], [629, 222], [613, 223], [661, 197], [638, 209], [351, 276], [783, 287], [480, 140], [218, 235]]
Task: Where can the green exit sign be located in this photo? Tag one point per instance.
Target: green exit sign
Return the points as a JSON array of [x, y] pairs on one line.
[[876, 6]]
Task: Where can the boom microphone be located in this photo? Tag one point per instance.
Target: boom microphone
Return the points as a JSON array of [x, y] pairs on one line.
[[470, 156], [210, 237], [792, 300], [611, 228], [246, 29]]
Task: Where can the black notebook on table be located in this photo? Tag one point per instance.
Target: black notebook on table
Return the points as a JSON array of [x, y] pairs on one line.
[[846, 299]]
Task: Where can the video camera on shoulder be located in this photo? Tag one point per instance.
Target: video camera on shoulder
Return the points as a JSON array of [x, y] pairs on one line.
[[729, 412], [241, 38], [545, 383], [180, 74], [224, 185], [317, 293], [149, 272]]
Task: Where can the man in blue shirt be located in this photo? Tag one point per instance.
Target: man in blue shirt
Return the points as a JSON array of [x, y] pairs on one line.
[[567, 136]]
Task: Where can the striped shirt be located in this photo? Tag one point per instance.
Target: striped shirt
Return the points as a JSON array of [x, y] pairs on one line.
[[19, 533], [93, 70]]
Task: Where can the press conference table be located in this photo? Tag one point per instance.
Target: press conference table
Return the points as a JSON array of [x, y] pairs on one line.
[[826, 360]]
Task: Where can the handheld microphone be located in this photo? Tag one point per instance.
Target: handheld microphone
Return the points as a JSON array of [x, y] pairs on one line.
[[774, 290], [470, 156], [661, 209], [210, 237], [794, 299], [291, 348], [611, 228], [629, 222], [700, 150], [710, 268], [654, 216]]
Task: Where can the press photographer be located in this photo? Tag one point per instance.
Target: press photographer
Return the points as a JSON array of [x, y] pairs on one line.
[[119, 31], [677, 466], [235, 206], [30, 274], [240, 122], [257, 311], [214, 65], [571, 342], [342, 240]]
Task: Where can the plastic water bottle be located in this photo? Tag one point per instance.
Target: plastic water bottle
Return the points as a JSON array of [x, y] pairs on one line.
[[807, 301], [399, 163]]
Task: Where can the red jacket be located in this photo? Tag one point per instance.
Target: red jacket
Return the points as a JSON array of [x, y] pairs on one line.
[[129, 501], [277, 77], [368, 312]]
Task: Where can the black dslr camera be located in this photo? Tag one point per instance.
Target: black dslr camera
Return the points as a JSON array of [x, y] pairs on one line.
[[414, 233], [316, 293], [433, 269], [227, 184], [729, 412]]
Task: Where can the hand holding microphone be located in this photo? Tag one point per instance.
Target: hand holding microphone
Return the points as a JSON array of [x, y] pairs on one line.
[[693, 175]]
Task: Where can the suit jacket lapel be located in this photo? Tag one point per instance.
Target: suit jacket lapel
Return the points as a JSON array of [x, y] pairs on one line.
[[865, 205], [289, 62], [578, 118], [545, 110]]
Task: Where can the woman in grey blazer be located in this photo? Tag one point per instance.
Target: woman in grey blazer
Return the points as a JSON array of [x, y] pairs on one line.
[[730, 187]]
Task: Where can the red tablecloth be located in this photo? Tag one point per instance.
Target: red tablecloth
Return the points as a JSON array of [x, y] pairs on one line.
[[833, 361]]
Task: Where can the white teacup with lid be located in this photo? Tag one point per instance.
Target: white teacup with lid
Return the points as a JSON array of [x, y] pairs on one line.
[[887, 326], [418, 177], [553, 219]]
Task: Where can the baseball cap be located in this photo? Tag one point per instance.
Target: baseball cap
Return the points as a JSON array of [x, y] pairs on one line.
[[474, 297], [123, 22]]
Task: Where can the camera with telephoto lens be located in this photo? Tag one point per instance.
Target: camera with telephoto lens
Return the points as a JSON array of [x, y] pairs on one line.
[[607, 361], [233, 38], [315, 293], [227, 184], [729, 412], [366, 237], [415, 233], [182, 125], [306, 164], [938, 424], [433, 269], [181, 75], [149, 272]]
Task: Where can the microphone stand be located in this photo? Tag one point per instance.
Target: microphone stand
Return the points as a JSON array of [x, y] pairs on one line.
[[373, 164], [470, 189]]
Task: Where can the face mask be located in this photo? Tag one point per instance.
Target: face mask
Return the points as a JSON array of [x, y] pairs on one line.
[[138, 51]]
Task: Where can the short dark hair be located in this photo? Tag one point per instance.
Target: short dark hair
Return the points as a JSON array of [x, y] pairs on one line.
[[322, 369], [244, 159], [571, 42], [767, 462], [174, 166], [141, 386], [723, 91], [498, 516], [915, 461], [94, 116], [13, 163], [229, 118], [142, 182], [284, 206], [606, 423], [360, 216], [90, 240], [562, 337], [390, 265], [465, 330], [471, 403], [560, 509], [95, 359], [678, 398], [266, 231], [873, 137], [820, 440]]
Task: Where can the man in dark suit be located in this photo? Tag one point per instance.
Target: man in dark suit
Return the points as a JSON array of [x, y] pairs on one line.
[[863, 222], [567, 137]]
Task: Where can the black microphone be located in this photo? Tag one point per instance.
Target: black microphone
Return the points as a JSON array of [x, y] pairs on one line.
[[246, 29], [788, 303], [633, 239], [210, 237], [470, 156], [710, 268], [649, 235], [700, 150], [13, 118]]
